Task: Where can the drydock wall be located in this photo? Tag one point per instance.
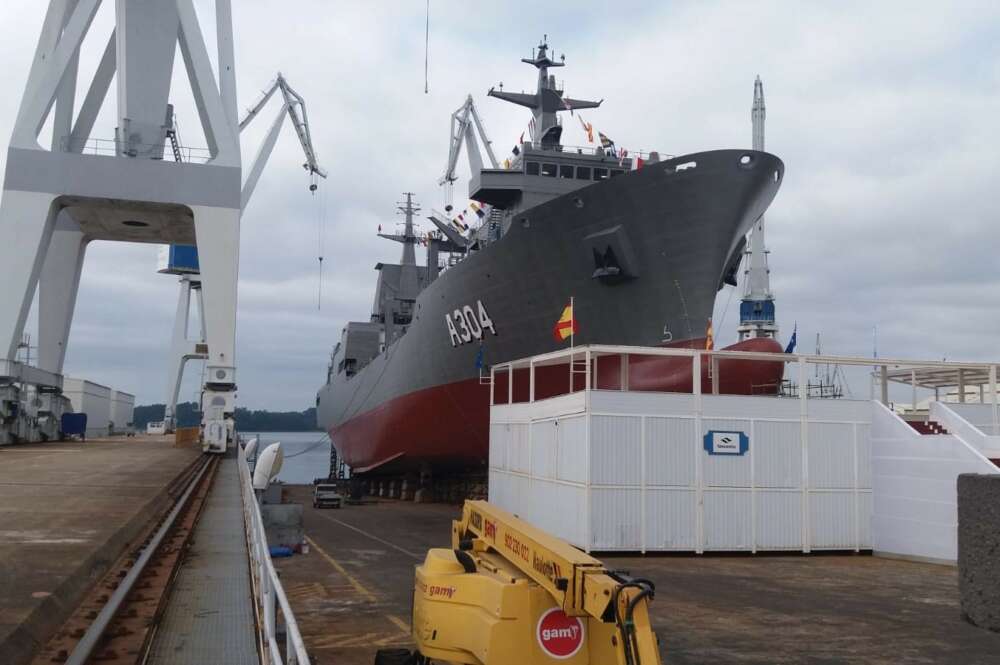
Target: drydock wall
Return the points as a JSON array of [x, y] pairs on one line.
[[611, 470]]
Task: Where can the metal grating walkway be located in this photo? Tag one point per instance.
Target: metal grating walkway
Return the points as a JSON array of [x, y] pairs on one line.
[[209, 617]]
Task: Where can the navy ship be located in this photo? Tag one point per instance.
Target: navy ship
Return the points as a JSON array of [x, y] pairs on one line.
[[641, 251]]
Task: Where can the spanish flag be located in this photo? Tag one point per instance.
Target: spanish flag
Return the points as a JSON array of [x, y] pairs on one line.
[[709, 337], [566, 325]]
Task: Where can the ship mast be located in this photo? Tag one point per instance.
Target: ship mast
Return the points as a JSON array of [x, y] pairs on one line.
[[409, 279], [547, 101], [757, 307]]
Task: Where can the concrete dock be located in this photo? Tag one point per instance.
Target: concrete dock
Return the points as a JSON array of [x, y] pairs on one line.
[[67, 512], [351, 596]]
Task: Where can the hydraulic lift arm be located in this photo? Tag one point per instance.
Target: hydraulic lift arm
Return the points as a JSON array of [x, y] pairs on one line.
[[491, 599]]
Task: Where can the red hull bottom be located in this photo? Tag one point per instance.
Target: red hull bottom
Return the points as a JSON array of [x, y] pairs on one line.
[[446, 427]]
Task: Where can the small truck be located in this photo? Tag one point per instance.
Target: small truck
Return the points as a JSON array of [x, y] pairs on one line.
[[326, 495]]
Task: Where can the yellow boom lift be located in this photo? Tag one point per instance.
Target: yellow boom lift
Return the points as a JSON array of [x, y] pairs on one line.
[[507, 593]]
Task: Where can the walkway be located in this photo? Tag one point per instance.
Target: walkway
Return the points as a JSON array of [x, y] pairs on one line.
[[209, 616]]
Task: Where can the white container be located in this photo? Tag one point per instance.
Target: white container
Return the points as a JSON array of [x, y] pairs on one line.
[[632, 471]]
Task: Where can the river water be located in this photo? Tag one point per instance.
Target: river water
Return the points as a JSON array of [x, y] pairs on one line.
[[307, 454]]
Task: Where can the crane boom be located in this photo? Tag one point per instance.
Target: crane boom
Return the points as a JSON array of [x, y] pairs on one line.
[[491, 599], [465, 125], [294, 107]]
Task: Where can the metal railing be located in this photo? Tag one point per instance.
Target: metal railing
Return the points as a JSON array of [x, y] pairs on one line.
[[593, 150], [156, 151], [268, 592]]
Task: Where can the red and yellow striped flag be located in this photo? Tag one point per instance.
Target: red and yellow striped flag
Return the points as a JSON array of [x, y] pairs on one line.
[[709, 337], [566, 325]]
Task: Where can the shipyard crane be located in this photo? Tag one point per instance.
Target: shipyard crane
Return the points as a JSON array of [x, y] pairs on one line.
[[295, 108], [507, 592], [462, 122]]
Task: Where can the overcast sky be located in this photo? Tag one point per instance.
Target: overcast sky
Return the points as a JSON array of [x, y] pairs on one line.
[[886, 115]]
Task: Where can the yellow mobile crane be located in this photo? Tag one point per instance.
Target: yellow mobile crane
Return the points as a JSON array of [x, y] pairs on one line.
[[507, 593]]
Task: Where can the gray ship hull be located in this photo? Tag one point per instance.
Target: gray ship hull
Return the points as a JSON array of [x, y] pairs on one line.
[[643, 255]]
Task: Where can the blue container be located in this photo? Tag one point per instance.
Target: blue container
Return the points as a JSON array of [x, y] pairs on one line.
[[178, 260], [73, 423]]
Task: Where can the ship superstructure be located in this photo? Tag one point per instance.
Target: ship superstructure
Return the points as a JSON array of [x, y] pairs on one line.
[[642, 251]]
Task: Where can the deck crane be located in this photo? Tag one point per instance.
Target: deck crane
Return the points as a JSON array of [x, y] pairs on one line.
[[295, 108], [462, 122], [508, 592]]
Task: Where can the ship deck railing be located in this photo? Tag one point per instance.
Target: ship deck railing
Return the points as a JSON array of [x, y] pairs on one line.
[[919, 375], [590, 150], [267, 586]]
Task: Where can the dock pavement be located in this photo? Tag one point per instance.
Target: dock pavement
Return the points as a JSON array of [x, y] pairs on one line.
[[351, 596]]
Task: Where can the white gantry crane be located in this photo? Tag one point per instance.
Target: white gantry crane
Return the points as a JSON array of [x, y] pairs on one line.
[[294, 107], [183, 349], [462, 122]]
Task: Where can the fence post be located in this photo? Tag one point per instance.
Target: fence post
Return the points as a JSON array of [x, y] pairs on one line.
[[993, 399], [804, 434], [699, 454]]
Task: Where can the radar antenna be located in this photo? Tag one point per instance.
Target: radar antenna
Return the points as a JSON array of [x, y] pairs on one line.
[[462, 122], [548, 99]]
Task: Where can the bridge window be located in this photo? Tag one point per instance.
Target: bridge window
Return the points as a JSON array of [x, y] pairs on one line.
[[615, 172], [565, 171], [583, 173], [549, 170], [600, 174], [532, 168]]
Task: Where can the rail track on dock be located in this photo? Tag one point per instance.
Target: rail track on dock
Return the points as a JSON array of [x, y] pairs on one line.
[[117, 619]]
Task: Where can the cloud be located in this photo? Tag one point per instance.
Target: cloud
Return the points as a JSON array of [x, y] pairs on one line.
[[885, 115]]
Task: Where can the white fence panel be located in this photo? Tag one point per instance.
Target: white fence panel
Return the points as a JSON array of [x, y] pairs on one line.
[[777, 454], [727, 523], [671, 520], [779, 520], [670, 452], [518, 456], [616, 450], [832, 520], [630, 472], [499, 445], [831, 455], [543, 449], [616, 519], [571, 462]]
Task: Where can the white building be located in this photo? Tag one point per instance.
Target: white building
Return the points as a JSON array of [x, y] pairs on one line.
[[108, 411]]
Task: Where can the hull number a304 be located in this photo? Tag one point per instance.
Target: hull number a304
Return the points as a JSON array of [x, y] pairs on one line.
[[467, 324]]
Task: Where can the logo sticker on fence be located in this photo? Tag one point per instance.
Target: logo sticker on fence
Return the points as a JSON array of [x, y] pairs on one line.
[[560, 636], [726, 443]]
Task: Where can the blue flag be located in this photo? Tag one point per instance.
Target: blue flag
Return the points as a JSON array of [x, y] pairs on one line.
[[791, 343], [479, 357]]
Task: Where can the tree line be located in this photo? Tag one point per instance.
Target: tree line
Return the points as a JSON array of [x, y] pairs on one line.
[[188, 415]]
